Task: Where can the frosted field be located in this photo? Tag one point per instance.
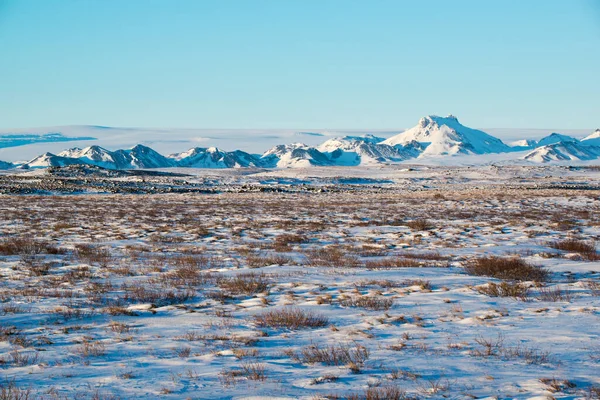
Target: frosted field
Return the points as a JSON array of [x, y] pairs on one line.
[[483, 292]]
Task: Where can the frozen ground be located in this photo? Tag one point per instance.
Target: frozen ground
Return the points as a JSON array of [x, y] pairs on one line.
[[386, 178], [381, 289]]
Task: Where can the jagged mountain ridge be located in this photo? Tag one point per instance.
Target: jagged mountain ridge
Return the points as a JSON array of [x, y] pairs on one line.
[[340, 151], [368, 149], [292, 155], [212, 157], [432, 136], [95, 155], [555, 138], [137, 157], [51, 160], [564, 151], [530, 144]]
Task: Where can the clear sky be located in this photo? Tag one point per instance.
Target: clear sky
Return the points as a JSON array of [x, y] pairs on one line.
[[299, 63]]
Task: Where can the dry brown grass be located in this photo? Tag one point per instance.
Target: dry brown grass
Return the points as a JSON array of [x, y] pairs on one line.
[[159, 296], [27, 246], [516, 290], [420, 224], [290, 318], [250, 370], [586, 249], [554, 294], [10, 391], [331, 257], [91, 348], [284, 241], [380, 393], [507, 268], [259, 261], [246, 283], [91, 254], [496, 347], [340, 354], [21, 358], [375, 303], [424, 255], [592, 286], [558, 385], [254, 371], [392, 262]]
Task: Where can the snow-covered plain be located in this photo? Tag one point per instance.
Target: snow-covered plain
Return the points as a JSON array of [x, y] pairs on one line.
[[185, 296]]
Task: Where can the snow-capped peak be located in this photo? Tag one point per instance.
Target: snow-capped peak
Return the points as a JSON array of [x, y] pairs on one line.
[[141, 156], [293, 155], [593, 135], [194, 152], [51, 160], [445, 135], [94, 154], [563, 151], [437, 120], [213, 157], [348, 142], [72, 152], [285, 148], [555, 138], [524, 143], [592, 139], [188, 153]]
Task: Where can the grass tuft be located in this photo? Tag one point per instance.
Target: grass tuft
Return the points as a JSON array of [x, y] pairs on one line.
[[290, 318], [507, 268]]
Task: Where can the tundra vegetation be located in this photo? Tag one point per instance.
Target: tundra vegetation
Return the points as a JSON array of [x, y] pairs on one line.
[[355, 295]]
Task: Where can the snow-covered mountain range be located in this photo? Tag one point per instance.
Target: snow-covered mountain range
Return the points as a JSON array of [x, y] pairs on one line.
[[433, 137], [564, 151], [447, 136]]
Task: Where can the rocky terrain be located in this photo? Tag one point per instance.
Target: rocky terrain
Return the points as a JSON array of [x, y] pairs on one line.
[[80, 179]]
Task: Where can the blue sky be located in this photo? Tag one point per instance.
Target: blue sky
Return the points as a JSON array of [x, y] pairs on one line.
[[299, 63]]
